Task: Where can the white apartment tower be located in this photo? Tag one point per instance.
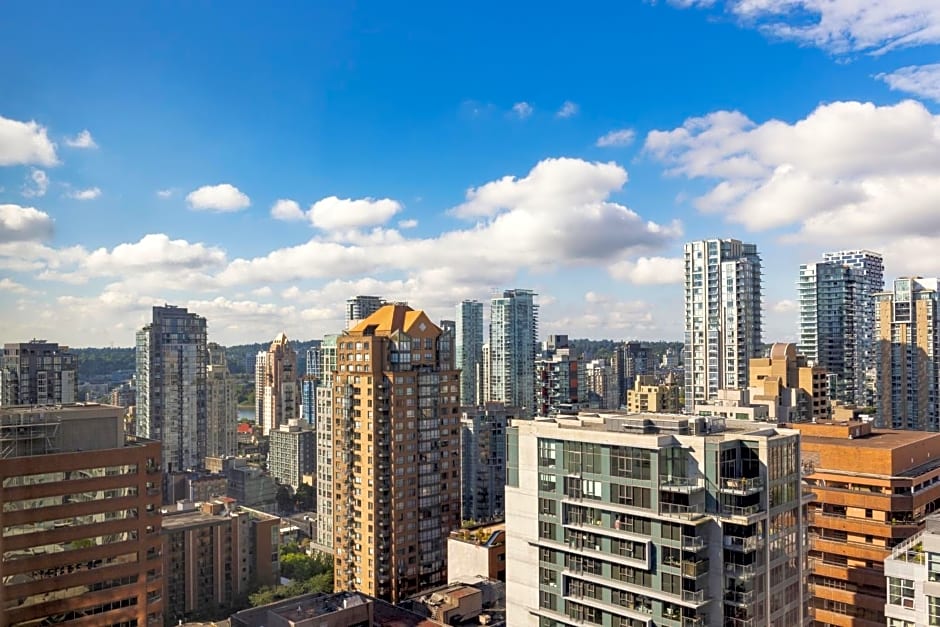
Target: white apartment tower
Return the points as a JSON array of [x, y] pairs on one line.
[[469, 350], [513, 345], [324, 400], [358, 308], [722, 316]]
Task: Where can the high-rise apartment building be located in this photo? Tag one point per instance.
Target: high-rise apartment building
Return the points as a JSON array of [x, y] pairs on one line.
[[871, 489], [559, 379], [172, 402], [722, 316], [213, 553], [314, 364], [871, 270], [325, 442], [837, 320], [80, 520], [308, 399], [908, 355], [38, 373], [261, 359], [292, 453], [358, 308], [222, 405], [469, 351], [483, 460], [512, 346], [651, 519], [637, 362], [396, 458], [281, 392]]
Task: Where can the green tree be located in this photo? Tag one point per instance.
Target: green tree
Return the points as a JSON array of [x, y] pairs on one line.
[[305, 499]]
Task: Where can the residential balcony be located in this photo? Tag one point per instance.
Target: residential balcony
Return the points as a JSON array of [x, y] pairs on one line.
[[743, 599], [740, 511], [681, 511], [741, 486], [744, 544], [683, 485], [740, 571]]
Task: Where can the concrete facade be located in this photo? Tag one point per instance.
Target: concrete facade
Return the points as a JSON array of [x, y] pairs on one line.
[[37, 373], [623, 519]]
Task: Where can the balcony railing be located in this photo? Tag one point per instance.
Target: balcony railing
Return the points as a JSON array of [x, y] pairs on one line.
[[740, 511], [693, 543], [741, 485], [739, 571], [745, 544], [693, 596], [679, 510], [681, 484]]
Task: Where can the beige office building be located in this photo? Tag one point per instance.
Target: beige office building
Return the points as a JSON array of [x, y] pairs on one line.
[[279, 386], [396, 463]]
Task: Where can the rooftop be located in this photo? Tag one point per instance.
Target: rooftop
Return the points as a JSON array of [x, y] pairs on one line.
[[308, 606], [391, 318], [655, 424]]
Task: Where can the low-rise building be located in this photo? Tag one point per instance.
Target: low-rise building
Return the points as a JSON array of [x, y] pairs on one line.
[[342, 609], [648, 396], [477, 552], [212, 553]]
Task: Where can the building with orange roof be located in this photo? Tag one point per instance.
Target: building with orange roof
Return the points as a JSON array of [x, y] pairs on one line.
[[396, 461], [873, 489]]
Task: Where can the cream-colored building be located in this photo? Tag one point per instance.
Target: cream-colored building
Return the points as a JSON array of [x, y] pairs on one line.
[[279, 386], [783, 387], [649, 397], [396, 458]]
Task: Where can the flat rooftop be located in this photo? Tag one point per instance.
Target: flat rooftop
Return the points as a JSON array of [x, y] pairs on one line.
[[878, 439], [628, 423]]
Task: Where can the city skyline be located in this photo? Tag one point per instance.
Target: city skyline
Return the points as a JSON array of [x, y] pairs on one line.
[[265, 167]]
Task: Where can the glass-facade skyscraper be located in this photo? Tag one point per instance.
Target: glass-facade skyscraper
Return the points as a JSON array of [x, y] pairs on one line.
[[469, 350], [512, 349]]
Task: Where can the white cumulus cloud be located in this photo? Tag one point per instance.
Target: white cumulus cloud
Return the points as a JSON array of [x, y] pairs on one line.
[[407, 224], [82, 140], [23, 224], [347, 213], [85, 194], [621, 137], [649, 270], [24, 143], [165, 193], [920, 80], [222, 198], [849, 172], [286, 209]]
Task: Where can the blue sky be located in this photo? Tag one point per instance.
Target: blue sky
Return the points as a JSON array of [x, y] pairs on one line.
[[259, 164]]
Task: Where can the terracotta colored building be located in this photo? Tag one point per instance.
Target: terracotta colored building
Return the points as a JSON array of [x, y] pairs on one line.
[[80, 518], [873, 489], [396, 462]]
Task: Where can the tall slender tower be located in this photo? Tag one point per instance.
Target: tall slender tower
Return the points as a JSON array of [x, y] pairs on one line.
[[871, 271], [469, 350], [359, 308], [722, 316], [324, 427], [908, 350], [281, 391], [396, 462], [513, 345], [831, 316], [171, 386], [222, 405]]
